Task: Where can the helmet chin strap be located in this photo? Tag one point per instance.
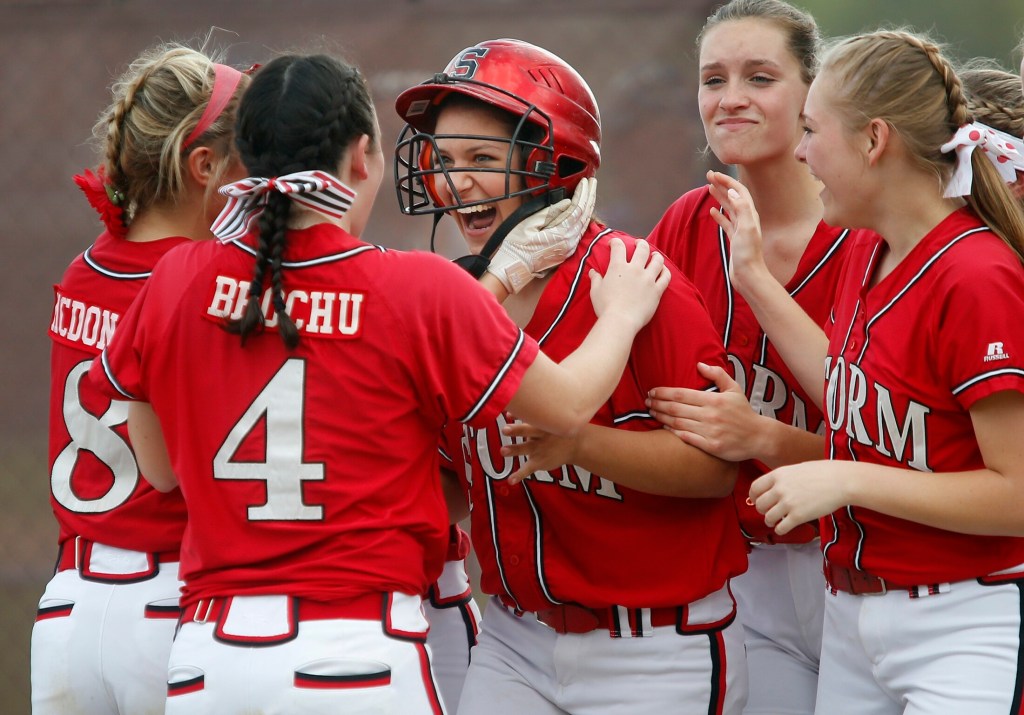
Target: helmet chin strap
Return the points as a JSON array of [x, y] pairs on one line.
[[476, 263]]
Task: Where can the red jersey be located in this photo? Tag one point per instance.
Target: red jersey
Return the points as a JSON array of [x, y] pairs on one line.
[[96, 490], [700, 247], [313, 472], [573, 536], [907, 359]]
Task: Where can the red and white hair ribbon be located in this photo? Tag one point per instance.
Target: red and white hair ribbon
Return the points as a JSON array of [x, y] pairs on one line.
[[247, 198], [1005, 151]]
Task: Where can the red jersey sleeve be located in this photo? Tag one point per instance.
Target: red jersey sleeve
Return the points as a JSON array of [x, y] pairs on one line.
[[979, 342]]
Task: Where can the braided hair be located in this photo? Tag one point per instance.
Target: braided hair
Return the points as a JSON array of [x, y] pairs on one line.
[[157, 102], [903, 78], [995, 96], [299, 114]]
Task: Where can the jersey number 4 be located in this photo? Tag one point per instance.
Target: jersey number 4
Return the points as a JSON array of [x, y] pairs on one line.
[[280, 406]]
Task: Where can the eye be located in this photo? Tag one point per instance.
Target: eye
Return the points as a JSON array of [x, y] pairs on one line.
[[712, 81], [807, 129], [762, 79]]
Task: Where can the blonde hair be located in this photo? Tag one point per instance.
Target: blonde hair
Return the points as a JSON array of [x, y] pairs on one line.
[[157, 102], [903, 79]]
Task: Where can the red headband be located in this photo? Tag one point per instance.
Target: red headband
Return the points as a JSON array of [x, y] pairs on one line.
[[225, 80]]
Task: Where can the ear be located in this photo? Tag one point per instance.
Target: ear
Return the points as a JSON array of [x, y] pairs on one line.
[[878, 134], [200, 165], [356, 157]]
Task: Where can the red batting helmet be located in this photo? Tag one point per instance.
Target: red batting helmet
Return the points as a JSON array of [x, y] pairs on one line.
[[559, 132]]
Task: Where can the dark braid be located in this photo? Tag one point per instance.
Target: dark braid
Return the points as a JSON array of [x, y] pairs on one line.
[[299, 114]]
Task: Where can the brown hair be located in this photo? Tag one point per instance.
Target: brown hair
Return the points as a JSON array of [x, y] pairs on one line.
[[903, 79], [300, 113], [803, 36], [157, 102], [994, 95]]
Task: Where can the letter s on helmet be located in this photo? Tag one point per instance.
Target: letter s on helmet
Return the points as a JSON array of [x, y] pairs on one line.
[[559, 132]]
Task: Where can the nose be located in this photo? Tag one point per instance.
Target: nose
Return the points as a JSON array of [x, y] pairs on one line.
[[454, 183], [733, 96], [801, 149]]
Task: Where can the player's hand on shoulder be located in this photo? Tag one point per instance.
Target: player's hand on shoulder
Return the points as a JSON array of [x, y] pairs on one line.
[[543, 240], [631, 287]]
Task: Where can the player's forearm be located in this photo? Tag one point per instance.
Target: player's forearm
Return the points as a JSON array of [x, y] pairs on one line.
[[781, 444], [454, 496], [800, 341], [655, 462], [976, 502]]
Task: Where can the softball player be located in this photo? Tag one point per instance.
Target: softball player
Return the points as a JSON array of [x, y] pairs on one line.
[[281, 367], [924, 368], [583, 618], [106, 621], [756, 60], [454, 620]]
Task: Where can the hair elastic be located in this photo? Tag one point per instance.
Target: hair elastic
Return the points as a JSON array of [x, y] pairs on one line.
[[1006, 152], [225, 81], [247, 198]]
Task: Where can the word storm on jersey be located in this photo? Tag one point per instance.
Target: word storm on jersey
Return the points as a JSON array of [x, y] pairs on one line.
[[858, 405], [316, 312], [487, 442]]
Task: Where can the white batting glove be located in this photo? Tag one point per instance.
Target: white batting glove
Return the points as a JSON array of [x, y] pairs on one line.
[[544, 239]]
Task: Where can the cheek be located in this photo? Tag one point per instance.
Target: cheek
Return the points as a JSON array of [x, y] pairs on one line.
[[706, 104]]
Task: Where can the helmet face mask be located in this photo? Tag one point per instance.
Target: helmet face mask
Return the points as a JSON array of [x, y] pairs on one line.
[[556, 135], [528, 167]]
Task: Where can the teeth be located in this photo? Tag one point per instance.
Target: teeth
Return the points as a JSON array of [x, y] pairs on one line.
[[475, 209]]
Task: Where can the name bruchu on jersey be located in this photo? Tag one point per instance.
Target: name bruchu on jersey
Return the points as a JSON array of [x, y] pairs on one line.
[[81, 324], [316, 312]]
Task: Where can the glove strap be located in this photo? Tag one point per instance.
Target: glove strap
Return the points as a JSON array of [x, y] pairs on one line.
[[476, 264]]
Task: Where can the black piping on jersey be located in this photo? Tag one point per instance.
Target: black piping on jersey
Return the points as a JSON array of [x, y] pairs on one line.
[[539, 550], [763, 356], [499, 559], [109, 272], [723, 252], [329, 258], [986, 376], [113, 380], [910, 284], [1018, 684], [444, 455], [846, 340], [859, 551], [497, 379], [572, 288], [824, 259], [492, 518]]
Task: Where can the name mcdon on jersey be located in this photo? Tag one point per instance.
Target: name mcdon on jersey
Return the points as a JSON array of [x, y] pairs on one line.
[[77, 322]]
